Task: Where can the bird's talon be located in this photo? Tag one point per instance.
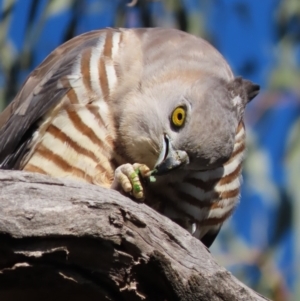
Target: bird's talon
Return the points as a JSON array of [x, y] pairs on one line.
[[131, 178], [127, 188]]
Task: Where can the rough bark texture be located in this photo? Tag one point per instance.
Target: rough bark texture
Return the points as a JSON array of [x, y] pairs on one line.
[[63, 240]]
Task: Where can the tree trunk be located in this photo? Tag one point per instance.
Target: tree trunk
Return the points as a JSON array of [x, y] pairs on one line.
[[64, 240]]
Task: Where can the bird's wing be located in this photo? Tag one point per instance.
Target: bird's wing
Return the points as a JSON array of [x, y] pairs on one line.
[[39, 94]]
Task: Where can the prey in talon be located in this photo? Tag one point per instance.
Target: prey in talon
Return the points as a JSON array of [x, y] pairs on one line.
[[134, 178], [130, 179]]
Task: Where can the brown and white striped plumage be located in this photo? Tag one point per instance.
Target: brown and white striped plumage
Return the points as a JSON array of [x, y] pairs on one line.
[[104, 99]]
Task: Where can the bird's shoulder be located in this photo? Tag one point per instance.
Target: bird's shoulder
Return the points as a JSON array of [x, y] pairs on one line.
[[41, 92]]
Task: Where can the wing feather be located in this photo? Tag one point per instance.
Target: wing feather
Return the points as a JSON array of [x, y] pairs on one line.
[[39, 94]]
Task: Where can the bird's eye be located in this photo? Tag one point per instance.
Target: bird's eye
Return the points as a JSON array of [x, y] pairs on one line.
[[178, 116]]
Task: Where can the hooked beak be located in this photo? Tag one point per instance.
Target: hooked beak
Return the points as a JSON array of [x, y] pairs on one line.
[[169, 159]]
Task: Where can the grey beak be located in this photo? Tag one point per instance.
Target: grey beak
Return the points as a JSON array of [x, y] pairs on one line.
[[169, 159]]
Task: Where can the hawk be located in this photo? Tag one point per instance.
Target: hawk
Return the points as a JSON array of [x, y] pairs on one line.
[[156, 114]]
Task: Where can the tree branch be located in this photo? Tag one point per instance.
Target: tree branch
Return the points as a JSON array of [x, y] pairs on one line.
[[60, 238]]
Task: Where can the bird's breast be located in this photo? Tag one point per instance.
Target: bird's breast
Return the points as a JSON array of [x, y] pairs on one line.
[[201, 200]]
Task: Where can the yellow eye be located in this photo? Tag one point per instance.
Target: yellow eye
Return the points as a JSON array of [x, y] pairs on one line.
[[178, 116]]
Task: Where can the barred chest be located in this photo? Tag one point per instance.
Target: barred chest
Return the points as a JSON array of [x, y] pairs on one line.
[[200, 201]]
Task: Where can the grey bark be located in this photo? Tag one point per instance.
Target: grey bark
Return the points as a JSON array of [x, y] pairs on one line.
[[63, 240]]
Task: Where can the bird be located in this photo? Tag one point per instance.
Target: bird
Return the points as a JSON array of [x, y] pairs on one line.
[[154, 113]]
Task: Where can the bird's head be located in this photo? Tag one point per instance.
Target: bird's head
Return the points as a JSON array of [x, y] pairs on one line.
[[184, 124]]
